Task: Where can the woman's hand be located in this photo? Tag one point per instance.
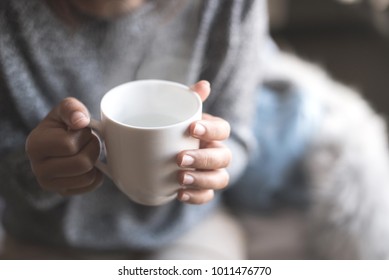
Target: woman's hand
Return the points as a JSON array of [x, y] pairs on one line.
[[210, 161], [62, 150]]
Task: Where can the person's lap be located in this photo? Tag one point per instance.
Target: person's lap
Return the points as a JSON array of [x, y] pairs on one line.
[[219, 236]]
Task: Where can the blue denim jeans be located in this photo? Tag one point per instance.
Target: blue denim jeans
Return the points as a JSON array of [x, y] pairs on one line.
[[286, 119]]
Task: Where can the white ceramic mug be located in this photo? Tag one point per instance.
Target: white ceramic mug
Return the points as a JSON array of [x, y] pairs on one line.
[[144, 125]]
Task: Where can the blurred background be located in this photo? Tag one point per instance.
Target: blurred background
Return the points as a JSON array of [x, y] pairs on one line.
[[348, 38]]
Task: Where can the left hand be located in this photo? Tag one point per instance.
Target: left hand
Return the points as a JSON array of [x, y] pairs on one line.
[[210, 161]]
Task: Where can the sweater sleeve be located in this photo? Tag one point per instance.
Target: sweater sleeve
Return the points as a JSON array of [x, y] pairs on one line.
[[17, 182], [233, 65]]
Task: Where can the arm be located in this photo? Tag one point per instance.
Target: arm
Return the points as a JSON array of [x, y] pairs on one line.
[[233, 65], [234, 79], [17, 182]]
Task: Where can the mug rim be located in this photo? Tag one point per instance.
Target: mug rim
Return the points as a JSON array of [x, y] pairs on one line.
[[148, 81]]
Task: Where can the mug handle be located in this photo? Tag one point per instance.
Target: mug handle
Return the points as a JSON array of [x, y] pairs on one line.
[[96, 127]]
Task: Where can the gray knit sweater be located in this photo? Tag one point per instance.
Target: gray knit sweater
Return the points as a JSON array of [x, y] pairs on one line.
[[43, 61]]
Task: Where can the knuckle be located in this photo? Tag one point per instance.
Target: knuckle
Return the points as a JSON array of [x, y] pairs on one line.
[[227, 128], [224, 127], [41, 178], [34, 169], [222, 158], [206, 197], [90, 178], [207, 160], [220, 179], [215, 158], [98, 179], [33, 142], [85, 163], [221, 129], [41, 173], [45, 184], [67, 104], [228, 157], [225, 178], [217, 180], [70, 146], [30, 144]]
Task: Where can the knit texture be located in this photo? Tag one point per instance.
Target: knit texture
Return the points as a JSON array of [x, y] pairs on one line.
[[43, 61]]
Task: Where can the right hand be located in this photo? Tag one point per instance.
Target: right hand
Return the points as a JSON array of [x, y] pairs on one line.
[[62, 150]]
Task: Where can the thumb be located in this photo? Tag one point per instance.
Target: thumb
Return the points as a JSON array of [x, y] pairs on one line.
[[203, 89], [72, 113]]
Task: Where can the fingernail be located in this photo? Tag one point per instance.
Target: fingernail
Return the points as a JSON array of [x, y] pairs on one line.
[[205, 83], [199, 129], [188, 179], [78, 117], [185, 197], [187, 160]]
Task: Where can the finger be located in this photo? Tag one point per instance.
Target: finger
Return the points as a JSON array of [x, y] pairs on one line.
[[46, 142], [215, 179], [59, 167], [203, 88], [70, 112], [215, 129], [87, 180], [75, 191], [207, 159], [195, 196], [213, 144]]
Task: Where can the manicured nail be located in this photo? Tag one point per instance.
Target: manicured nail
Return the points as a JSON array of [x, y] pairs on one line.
[[185, 197], [187, 160], [205, 83], [78, 117], [199, 129], [188, 179]]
